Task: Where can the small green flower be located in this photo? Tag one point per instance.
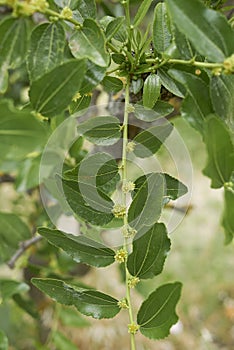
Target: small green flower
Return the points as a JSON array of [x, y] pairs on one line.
[[66, 13], [128, 231], [123, 304], [121, 255], [119, 210], [128, 186], [132, 281], [228, 65], [130, 146], [133, 328]]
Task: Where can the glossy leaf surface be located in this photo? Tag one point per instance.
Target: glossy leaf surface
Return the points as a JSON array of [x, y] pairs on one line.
[[89, 42], [149, 252], [104, 130], [220, 151], [157, 313], [52, 93], [209, 31], [88, 302], [80, 248]]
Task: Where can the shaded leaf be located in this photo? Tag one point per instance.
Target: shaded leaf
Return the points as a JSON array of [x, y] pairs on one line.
[[8, 288], [28, 174], [151, 90], [104, 130], [173, 187], [13, 46], [209, 31], [112, 84], [93, 76], [113, 27], [20, 132], [80, 248], [149, 141], [149, 252], [170, 84], [88, 302], [80, 105], [12, 231], [220, 151], [141, 12], [157, 312], [197, 104], [222, 96], [99, 170], [160, 109], [183, 45], [52, 93], [85, 204], [162, 36], [146, 207], [89, 42], [46, 49]]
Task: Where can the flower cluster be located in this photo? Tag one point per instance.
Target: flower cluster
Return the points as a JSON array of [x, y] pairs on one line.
[[128, 186], [123, 304], [132, 328], [132, 281], [128, 231], [119, 210], [121, 255]]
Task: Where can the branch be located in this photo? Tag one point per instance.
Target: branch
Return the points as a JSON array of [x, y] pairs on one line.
[[22, 248]]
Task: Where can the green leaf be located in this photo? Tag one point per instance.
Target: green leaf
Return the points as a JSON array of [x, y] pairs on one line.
[[99, 170], [208, 30], [80, 248], [162, 36], [173, 187], [112, 84], [52, 93], [220, 149], [61, 342], [197, 104], [157, 312], [170, 84], [13, 46], [183, 45], [149, 141], [151, 90], [146, 207], [3, 341], [222, 96], [46, 49], [88, 302], [8, 288], [80, 105], [87, 203], [89, 42], [12, 231], [104, 130], [87, 8], [228, 214], [137, 85], [20, 132], [141, 12], [28, 174], [113, 27], [118, 58], [160, 109], [149, 252], [93, 76]]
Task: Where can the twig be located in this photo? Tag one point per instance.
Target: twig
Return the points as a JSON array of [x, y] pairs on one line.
[[22, 248]]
